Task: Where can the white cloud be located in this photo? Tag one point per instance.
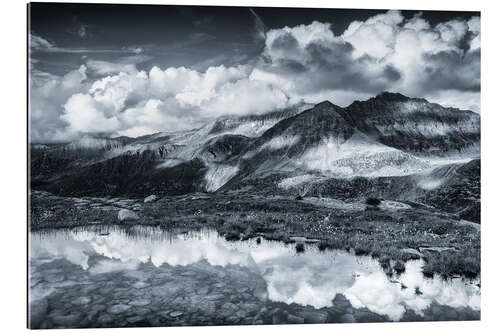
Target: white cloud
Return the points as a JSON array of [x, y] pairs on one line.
[[84, 115], [302, 63], [38, 43], [137, 103], [380, 28], [48, 93], [311, 278]]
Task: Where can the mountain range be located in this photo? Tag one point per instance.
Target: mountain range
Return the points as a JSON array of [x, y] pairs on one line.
[[389, 146]]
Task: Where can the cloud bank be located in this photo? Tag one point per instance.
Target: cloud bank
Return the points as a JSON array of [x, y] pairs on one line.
[[301, 63]]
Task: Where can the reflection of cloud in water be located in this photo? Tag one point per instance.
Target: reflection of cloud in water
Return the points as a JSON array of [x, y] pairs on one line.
[[312, 278]]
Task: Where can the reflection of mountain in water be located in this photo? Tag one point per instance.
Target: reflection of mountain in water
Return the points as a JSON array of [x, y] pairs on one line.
[[313, 278]]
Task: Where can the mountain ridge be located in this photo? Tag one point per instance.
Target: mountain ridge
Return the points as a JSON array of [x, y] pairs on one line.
[[389, 134]]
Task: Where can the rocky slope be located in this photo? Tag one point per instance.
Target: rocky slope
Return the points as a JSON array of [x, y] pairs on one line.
[[415, 125], [388, 146]]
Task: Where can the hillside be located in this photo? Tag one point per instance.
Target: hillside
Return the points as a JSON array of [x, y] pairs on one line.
[[389, 146]]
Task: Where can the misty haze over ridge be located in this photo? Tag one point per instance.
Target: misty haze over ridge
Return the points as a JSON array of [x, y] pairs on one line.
[[304, 62]]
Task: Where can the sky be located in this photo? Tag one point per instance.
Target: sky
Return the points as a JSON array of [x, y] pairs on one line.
[[133, 70]]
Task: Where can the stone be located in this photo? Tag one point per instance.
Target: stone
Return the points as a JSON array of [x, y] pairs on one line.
[[37, 312], [314, 316], [118, 308], [260, 292], [67, 320], [107, 208], [297, 239], [366, 316], [229, 308], [175, 314], [140, 285], [213, 297], [206, 307], [277, 319], [450, 314], [233, 319], [127, 214], [140, 302], [347, 318], [413, 252], [82, 300], [250, 307], [437, 249], [142, 311], [150, 198], [294, 319], [241, 314], [134, 319], [54, 278], [104, 319]]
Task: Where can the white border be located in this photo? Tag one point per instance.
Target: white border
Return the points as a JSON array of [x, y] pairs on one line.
[[13, 165]]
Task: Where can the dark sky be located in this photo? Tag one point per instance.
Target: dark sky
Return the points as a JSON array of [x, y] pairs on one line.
[[177, 35]]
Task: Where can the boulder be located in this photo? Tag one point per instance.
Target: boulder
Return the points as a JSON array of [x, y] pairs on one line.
[[291, 319], [151, 198], [175, 314], [118, 308], [314, 316], [38, 312], [347, 318], [127, 214]]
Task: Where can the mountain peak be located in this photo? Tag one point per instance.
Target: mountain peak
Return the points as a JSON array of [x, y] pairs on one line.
[[325, 104], [393, 97]]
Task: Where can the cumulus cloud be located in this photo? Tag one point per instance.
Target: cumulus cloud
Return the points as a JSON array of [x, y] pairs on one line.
[[385, 52], [137, 102], [48, 93], [302, 63]]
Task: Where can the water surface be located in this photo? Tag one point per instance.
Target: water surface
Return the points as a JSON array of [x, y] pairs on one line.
[[143, 276]]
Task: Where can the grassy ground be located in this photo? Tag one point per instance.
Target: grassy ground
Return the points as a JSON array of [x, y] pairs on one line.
[[384, 234]]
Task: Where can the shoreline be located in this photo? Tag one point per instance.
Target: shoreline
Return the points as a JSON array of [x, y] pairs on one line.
[[393, 233]]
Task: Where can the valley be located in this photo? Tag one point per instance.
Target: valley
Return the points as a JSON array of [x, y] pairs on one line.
[[385, 177]]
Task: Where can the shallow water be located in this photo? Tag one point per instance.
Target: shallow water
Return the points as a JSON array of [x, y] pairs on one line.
[[143, 276]]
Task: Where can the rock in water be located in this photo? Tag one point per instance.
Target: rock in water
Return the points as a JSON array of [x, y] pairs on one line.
[[347, 318], [118, 308], [151, 198], [313, 316], [175, 314], [291, 319], [127, 214], [38, 312]]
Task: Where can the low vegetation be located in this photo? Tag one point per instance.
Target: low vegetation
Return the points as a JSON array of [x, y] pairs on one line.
[[383, 234]]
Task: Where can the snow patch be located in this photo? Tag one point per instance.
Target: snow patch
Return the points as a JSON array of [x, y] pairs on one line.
[[291, 182], [170, 163], [430, 183], [280, 142], [360, 156], [252, 129]]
